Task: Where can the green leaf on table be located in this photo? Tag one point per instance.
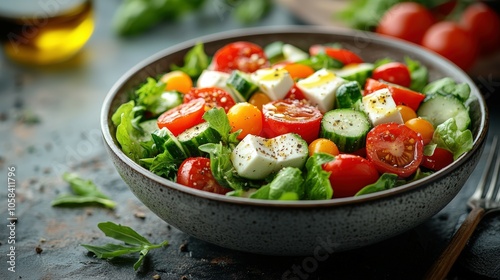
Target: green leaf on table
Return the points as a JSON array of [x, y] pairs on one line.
[[251, 11], [133, 243], [84, 192]]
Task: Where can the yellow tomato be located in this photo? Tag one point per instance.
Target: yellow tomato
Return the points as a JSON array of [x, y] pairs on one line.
[[299, 71], [422, 126], [406, 112], [322, 145], [258, 99], [246, 117], [177, 80]]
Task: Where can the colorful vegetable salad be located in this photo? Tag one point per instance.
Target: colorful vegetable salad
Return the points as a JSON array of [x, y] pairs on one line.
[[279, 122]]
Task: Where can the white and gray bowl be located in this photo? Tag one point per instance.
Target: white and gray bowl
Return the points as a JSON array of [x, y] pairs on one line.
[[297, 227]]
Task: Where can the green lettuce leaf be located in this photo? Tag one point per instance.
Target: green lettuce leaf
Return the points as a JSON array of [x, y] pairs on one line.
[[419, 74], [195, 61], [127, 134], [448, 86], [448, 136], [287, 185], [317, 180], [385, 181]]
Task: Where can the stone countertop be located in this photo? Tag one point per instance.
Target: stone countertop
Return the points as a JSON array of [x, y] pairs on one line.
[[49, 124]]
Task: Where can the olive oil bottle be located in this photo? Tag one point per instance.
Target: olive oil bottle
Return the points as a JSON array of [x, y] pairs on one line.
[[45, 32]]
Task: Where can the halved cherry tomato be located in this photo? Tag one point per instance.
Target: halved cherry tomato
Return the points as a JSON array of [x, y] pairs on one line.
[[438, 160], [214, 96], [349, 174], [323, 145], [195, 173], [288, 115], [246, 117], [422, 126], [401, 95], [394, 148], [393, 72], [177, 80], [407, 21], [453, 42], [183, 116], [484, 23], [243, 56], [342, 55]]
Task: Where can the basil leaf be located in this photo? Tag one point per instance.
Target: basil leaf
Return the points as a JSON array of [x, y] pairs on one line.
[[287, 185], [250, 11], [111, 250], [123, 233], [385, 181], [195, 61], [419, 74], [217, 119]]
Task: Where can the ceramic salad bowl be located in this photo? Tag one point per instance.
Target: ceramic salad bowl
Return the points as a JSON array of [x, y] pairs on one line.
[[295, 227]]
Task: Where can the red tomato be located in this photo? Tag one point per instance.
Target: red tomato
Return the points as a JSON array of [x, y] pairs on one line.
[[484, 23], [214, 96], [195, 173], [297, 116], [349, 174], [393, 72], [295, 93], [243, 56], [401, 95], [183, 116], [342, 55], [394, 148], [453, 42], [438, 160], [407, 21]]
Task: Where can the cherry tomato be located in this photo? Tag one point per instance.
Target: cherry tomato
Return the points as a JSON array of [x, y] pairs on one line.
[[246, 117], [243, 56], [407, 21], [406, 112], [288, 115], [484, 23], [299, 71], [393, 72], [195, 173], [258, 99], [183, 116], [438, 160], [422, 126], [342, 55], [349, 174], [323, 145], [177, 80], [401, 95], [453, 42], [394, 148], [295, 93], [214, 97]]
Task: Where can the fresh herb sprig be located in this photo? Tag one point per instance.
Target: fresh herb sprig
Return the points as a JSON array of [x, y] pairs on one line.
[[84, 192], [133, 243]]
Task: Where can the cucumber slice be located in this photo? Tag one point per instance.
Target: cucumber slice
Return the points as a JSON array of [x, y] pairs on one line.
[[359, 72], [241, 86], [197, 135], [274, 51], [293, 54], [438, 108], [349, 95], [347, 128], [166, 140]]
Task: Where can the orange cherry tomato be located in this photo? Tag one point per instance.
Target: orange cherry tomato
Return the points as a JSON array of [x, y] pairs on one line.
[[177, 80], [299, 71], [406, 112], [258, 99], [246, 117], [323, 145], [422, 126]]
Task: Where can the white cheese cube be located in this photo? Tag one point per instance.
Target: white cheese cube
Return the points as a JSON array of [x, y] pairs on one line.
[[320, 88], [253, 157], [381, 108], [274, 82], [290, 150], [211, 78]]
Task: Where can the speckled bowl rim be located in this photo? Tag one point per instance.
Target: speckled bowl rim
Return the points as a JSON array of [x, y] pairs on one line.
[[383, 41]]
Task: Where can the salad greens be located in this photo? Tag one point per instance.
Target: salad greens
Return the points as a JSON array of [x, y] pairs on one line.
[[84, 192], [195, 61], [133, 242]]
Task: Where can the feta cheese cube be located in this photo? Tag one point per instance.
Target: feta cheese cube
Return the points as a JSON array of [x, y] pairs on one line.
[[381, 108], [274, 82], [320, 88]]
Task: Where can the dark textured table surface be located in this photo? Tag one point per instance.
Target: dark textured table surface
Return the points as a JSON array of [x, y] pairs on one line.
[[66, 100]]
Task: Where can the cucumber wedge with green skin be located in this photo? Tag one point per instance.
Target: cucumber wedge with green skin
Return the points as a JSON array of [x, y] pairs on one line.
[[166, 140], [197, 135], [359, 72], [438, 108], [347, 128], [241, 86], [349, 95]]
